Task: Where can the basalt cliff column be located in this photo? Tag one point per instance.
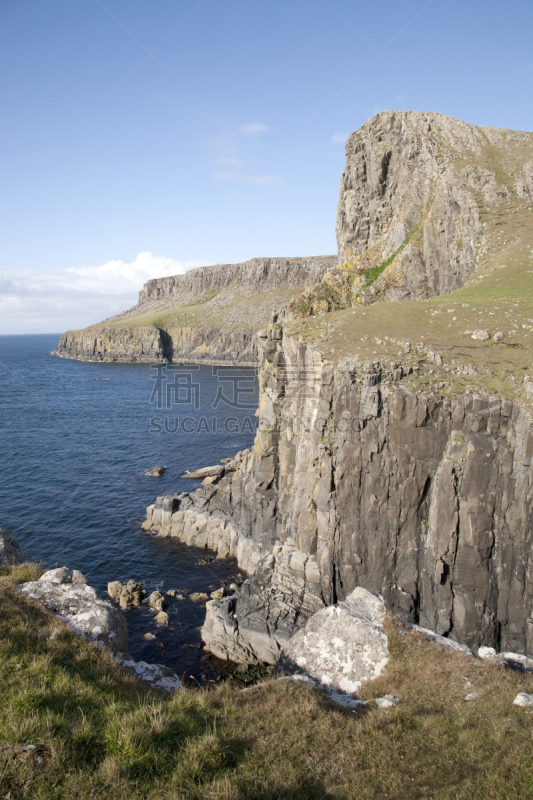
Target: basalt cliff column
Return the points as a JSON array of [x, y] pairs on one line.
[[354, 480]]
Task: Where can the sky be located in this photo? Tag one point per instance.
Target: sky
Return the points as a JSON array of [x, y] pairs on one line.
[[140, 139]]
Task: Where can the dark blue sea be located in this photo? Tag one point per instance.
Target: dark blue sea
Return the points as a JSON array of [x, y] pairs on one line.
[[76, 439]]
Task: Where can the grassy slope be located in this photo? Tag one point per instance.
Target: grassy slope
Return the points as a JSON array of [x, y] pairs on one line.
[[227, 310], [498, 297], [98, 734]]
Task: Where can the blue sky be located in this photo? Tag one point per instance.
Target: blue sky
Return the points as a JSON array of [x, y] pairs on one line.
[[139, 139]]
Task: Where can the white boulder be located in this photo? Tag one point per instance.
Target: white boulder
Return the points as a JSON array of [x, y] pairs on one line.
[[341, 647], [524, 700], [63, 592]]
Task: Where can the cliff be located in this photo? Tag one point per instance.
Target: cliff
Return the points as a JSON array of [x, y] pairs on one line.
[[209, 315], [415, 197], [394, 453]]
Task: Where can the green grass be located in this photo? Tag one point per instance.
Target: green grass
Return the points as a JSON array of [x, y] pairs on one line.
[[497, 297], [98, 734]]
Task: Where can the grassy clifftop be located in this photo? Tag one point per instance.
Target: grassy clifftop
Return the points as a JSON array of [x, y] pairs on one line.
[[96, 733], [498, 297]]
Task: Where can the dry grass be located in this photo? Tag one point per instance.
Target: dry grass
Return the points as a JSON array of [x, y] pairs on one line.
[[99, 734]]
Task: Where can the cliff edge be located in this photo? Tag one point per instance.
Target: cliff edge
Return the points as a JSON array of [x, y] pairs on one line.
[[209, 315], [394, 452]]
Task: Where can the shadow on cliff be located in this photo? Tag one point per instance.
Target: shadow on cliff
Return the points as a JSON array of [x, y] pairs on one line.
[[167, 345]]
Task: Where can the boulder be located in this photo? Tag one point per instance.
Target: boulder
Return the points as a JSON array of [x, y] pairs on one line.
[[341, 647], [483, 336], [161, 618], [524, 700], [80, 606], [387, 701], [131, 595], [157, 601], [63, 575], [114, 588], [156, 472], [156, 676], [206, 472], [10, 552], [199, 597]]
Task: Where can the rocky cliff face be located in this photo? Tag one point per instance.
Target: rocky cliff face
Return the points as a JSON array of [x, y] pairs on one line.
[[414, 197], [209, 314], [355, 480], [150, 344], [256, 275]]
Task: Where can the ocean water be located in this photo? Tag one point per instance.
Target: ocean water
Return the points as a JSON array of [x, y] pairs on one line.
[[76, 439]]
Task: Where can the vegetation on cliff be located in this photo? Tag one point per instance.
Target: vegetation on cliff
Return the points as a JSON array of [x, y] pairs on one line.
[[94, 732], [498, 297]]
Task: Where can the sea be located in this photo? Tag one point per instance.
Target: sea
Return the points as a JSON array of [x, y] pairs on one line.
[[76, 441]]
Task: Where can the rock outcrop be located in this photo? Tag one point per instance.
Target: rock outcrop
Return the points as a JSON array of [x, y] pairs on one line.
[[205, 316], [10, 552], [65, 592], [155, 676], [414, 195], [355, 480]]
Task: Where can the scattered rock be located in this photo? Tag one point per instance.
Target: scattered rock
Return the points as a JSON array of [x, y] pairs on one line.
[[498, 336], [172, 593], [387, 701], [343, 646], [10, 552], [206, 472], [443, 641], [148, 637], [156, 676], [516, 661], [471, 696], [157, 601], [114, 589], [481, 335], [203, 561], [199, 597], [81, 607], [129, 595], [524, 700], [161, 618], [156, 472]]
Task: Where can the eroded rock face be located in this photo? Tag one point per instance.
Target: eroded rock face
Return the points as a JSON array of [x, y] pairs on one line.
[[80, 606], [411, 193], [215, 288], [253, 625], [422, 499], [10, 552], [341, 647]]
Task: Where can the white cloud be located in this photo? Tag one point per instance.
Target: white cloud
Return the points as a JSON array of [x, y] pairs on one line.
[[339, 138], [242, 177], [253, 127], [34, 301]]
